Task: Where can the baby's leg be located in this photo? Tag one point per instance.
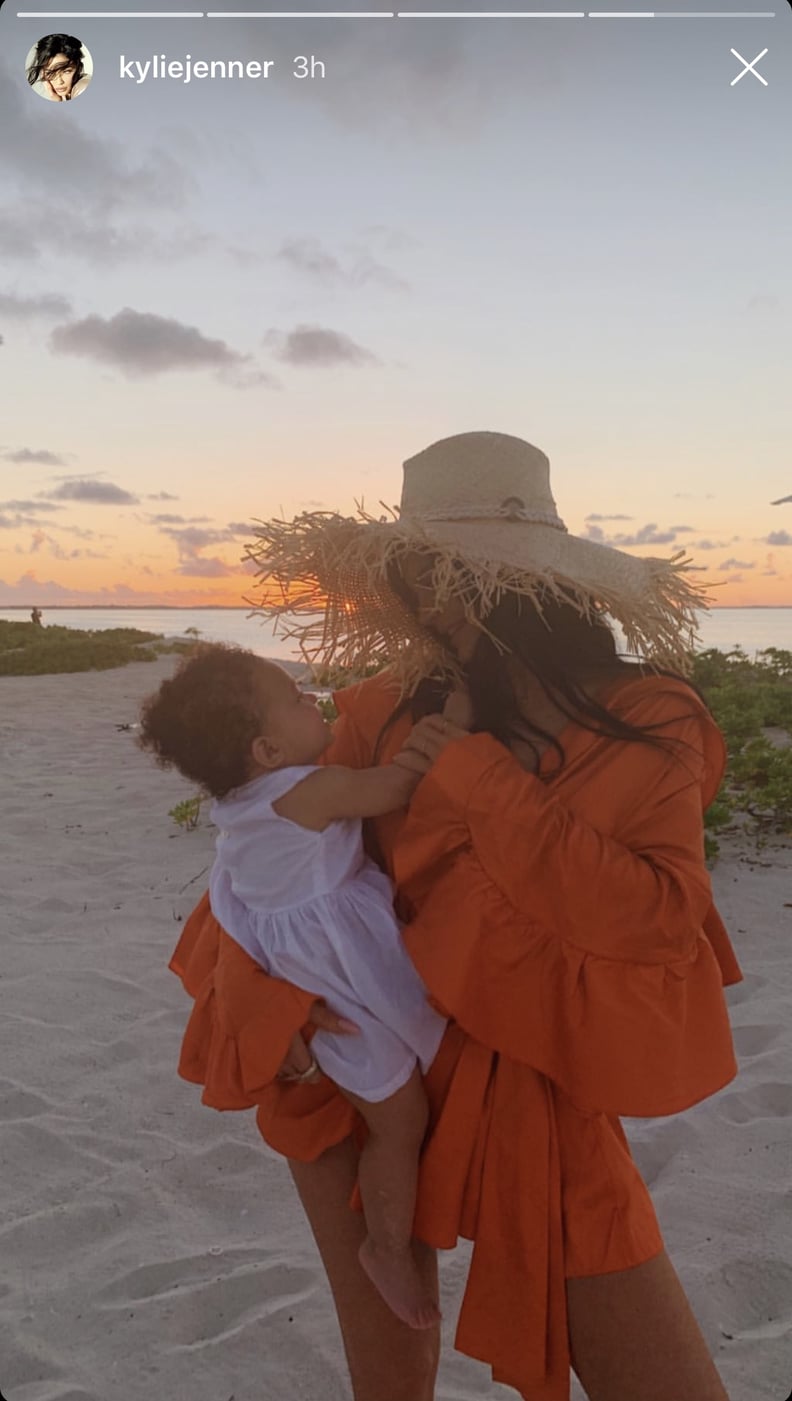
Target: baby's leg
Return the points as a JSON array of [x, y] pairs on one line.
[[388, 1179]]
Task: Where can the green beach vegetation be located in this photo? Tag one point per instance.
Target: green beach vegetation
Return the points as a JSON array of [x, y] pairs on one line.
[[751, 700], [28, 649]]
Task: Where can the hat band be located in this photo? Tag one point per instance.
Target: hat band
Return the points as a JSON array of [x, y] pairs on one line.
[[510, 509]]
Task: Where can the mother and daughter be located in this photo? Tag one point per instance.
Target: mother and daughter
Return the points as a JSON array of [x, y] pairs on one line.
[[455, 1060]]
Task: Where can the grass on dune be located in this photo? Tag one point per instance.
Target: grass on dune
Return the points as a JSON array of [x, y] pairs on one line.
[[28, 649]]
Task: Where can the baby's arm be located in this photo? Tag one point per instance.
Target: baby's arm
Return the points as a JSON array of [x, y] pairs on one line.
[[334, 793]]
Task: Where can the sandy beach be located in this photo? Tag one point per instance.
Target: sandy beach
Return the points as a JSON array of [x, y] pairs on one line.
[[151, 1247]]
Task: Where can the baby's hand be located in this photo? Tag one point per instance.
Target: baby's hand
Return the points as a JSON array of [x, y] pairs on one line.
[[459, 709], [427, 740]]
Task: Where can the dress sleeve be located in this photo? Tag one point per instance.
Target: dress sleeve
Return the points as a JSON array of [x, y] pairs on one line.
[[580, 946]]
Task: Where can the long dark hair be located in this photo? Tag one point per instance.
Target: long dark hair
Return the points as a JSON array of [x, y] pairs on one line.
[[560, 647], [48, 47]]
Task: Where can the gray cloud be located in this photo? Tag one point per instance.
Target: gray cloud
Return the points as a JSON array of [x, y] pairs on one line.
[[100, 493], [596, 517], [735, 564], [161, 496], [317, 347], [782, 500], [29, 308], [40, 457], [647, 535], [165, 519], [307, 255], [29, 234], [29, 506], [197, 567], [778, 537], [191, 539], [713, 544], [189, 542], [140, 344], [61, 159]]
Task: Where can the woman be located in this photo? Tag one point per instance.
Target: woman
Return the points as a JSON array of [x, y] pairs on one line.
[[551, 865], [58, 68]]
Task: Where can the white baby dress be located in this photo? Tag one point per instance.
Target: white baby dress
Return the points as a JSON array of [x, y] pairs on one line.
[[313, 908]]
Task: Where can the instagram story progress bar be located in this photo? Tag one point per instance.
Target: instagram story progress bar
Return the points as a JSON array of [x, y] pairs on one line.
[[494, 15]]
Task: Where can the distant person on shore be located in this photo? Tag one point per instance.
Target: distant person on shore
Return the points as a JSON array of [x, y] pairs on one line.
[[59, 68], [293, 885], [35, 617]]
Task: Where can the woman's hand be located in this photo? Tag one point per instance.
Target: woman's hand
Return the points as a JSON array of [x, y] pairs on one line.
[[426, 742], [300, 1065]]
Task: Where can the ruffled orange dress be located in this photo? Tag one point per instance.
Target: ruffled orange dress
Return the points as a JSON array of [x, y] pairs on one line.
[[567, 929]]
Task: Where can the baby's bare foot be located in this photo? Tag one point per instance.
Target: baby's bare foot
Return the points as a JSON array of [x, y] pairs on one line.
[[398, 1281]]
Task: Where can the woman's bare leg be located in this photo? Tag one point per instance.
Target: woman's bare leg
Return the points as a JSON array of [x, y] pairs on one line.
[[388, 1361], [388, 1181], [633, 1337]]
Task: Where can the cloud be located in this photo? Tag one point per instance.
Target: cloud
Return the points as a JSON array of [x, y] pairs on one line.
[[191, 539], [165, 519], [778, 537], [306, 255], [29, 308], [735, 564], [38, 456], [99, 493], [596, 517], [162, 496], [647, 535], [782, 501], [28, 234], [40, 538], [28, 589], [318, 347], [142, 344], [198, 567], [189, 542], [713, 544], [62, 160], [29, 506], [691, 496]]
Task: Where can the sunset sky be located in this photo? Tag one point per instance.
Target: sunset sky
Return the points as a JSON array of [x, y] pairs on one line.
[[231, 299]]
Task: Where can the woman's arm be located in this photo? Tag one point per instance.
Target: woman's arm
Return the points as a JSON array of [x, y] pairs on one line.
[[568, 929], [641, 895]]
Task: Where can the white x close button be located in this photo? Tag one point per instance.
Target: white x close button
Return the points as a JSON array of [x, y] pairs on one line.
[[749, 68]]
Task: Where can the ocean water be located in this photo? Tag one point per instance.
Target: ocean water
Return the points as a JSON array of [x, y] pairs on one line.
[[750, 628]]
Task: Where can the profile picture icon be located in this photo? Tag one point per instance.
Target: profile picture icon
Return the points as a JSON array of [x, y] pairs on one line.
[[59, 67]]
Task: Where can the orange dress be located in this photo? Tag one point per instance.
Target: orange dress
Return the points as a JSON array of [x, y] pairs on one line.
[[567, 929]]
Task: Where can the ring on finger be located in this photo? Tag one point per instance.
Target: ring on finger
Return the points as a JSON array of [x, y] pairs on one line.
[[300, 1076]]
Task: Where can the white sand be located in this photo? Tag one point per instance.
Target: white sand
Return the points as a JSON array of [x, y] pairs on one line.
[[150, 1247]]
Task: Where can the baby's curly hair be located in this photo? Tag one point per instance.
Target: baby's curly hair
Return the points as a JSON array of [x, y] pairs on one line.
[[203, 720]]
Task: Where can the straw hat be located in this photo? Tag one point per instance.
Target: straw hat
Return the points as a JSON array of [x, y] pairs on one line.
[[480, 505]]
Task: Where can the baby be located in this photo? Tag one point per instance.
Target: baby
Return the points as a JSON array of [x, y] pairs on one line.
[[292, 884]]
